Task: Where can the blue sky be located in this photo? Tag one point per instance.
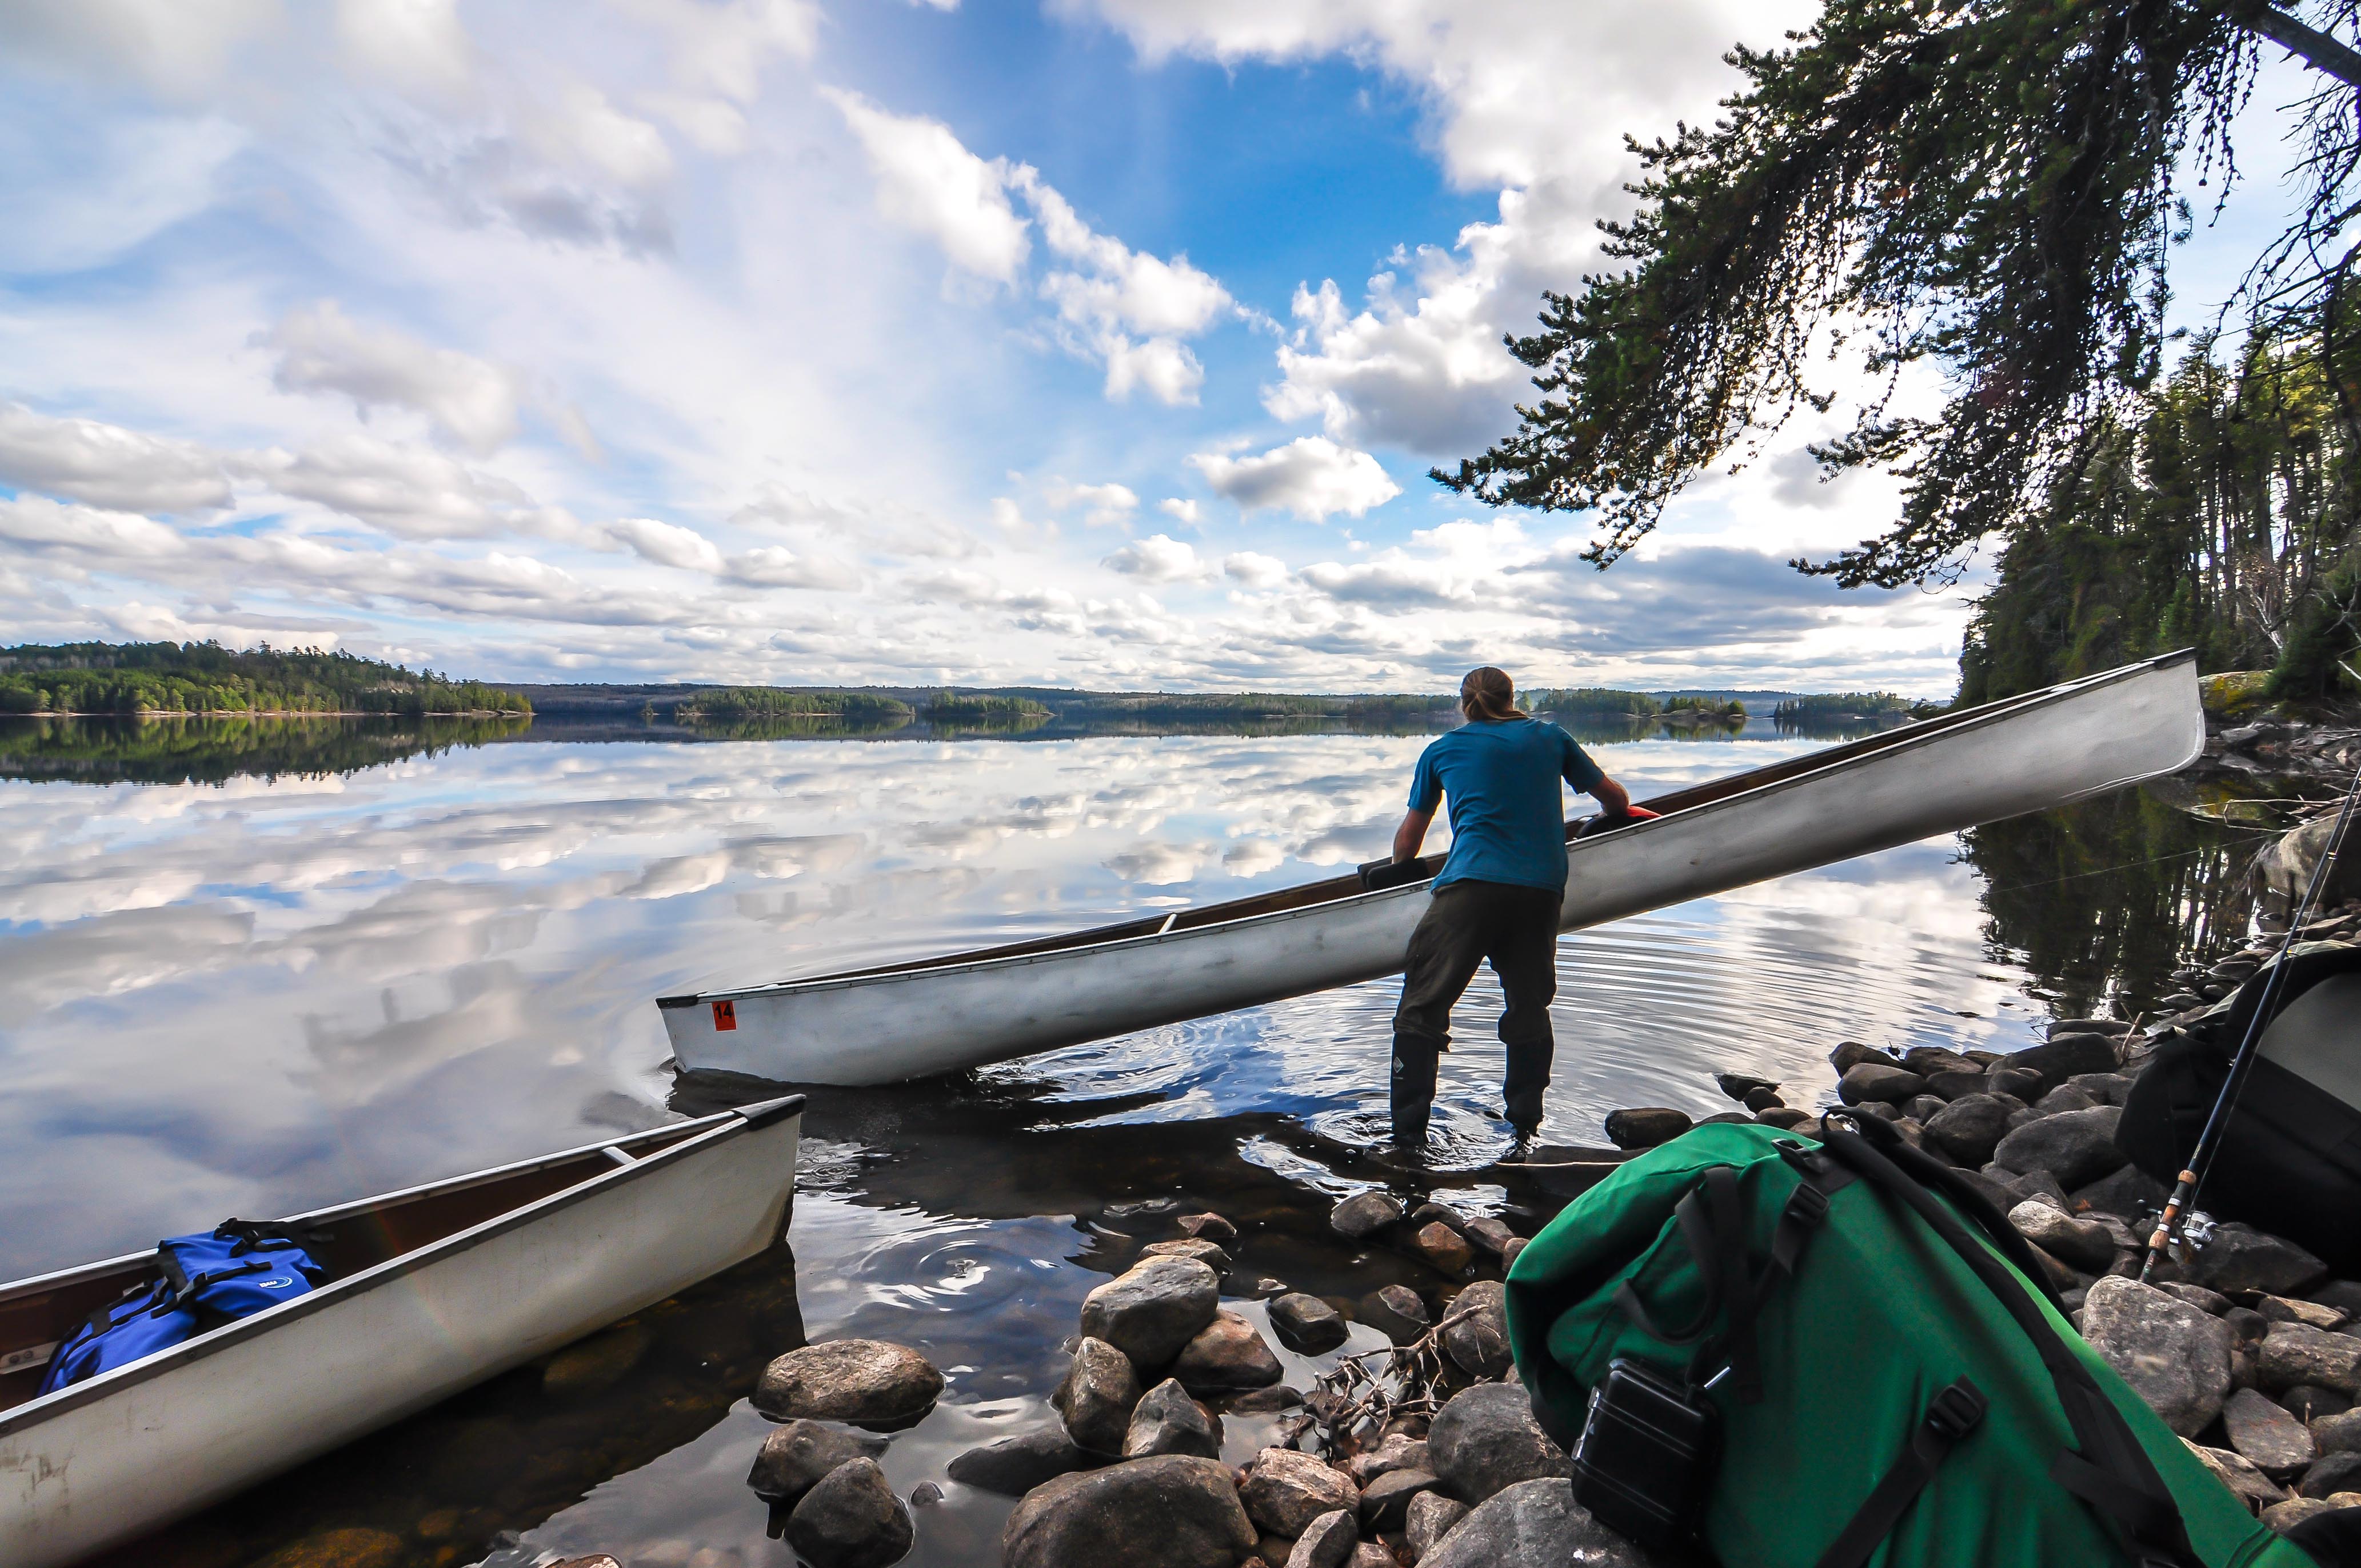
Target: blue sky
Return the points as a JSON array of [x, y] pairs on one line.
[[1105, 341]]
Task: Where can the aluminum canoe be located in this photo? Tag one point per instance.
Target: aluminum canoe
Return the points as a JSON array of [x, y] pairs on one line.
[[887, 1026], [432, 1289]]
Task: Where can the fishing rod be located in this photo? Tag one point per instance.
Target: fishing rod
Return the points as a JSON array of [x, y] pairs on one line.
[[2217, 1122]]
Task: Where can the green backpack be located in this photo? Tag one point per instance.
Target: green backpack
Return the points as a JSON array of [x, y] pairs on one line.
[[1897, 1391]]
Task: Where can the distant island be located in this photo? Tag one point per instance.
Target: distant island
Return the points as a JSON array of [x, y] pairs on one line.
[[196, 679]]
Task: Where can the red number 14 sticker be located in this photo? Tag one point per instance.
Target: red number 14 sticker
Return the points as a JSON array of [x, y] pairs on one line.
[[725, 1016]]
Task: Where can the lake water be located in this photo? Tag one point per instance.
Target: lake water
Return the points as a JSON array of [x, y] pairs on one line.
[[329, 969]]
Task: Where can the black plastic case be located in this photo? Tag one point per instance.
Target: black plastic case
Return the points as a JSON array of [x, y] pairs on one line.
[[1646, 1459]]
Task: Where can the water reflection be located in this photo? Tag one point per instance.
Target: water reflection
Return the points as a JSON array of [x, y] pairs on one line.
[[267, 992], [209, 751]]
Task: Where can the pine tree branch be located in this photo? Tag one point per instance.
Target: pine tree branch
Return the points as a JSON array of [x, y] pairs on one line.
[[2307, 43]]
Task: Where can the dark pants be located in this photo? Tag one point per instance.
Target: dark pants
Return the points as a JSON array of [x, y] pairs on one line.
[[1465, 925]]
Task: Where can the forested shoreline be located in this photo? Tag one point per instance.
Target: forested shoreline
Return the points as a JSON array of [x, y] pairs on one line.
[[144, 679]]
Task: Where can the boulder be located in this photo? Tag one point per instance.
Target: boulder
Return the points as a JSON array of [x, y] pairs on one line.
[[1761, 1100], [1363, 1215], [1646, 1126], [2016, 1082], [2239, 1258], [1929, 1061], [2339, 1433], [2298, 1352], [1851, 1054], [2344, 1295], [2309, 1402], [1432, 1213], [1172, 1511], [2285, 1517], [2274, 1442], [866, 1381], [2197, 1296], [1739, 1085], [1968, 1128], [1508, 1252], [1487, 1234], [2130, 1193], [1226, 1354], [1873, 1081], [1442, 1248], [1478, 1348], [2065, 1097], [1386, 1501], [1097, 1397], [1396, 1312], [2254, 1488], [2079, 1244], [1306, 1324], [2104, 1088], [1151, 1311], [1209, 1227], [2330, 1474], [1212, 1255], [1167, 1420], [2174, 1356], [1396, 1452], [1326, 1543], [795, 1458], [1538, 1523], [1923, 1108], [1015, 1465], [1485, 1438], [2286, 1310], [1286, 1491], [1429, 1519], [1951, 1084], [850, 1519], [2075, 1146], [2063, 1057], [1786, 1120]]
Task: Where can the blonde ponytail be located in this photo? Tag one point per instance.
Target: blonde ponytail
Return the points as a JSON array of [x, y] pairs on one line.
[[1486, 695]]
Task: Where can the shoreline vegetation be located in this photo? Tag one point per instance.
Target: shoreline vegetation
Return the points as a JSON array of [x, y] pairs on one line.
[[206, 680]]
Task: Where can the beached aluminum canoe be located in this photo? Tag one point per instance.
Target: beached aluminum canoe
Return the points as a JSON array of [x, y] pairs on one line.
[[431, 1290], [885, 1026]]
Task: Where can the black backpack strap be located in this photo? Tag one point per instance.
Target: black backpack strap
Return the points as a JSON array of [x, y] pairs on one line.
[[2109, 1469], [1954, 1413], [250, 1233], [1708, 1216]]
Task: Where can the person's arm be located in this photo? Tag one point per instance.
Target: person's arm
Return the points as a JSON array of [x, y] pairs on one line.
[[1410, 835], [1612, 795]]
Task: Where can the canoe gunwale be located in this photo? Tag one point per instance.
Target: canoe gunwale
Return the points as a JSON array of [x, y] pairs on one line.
[[711, 1131], [1894, 743]]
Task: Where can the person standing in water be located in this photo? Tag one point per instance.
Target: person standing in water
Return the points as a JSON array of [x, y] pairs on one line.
[[1497, 897]]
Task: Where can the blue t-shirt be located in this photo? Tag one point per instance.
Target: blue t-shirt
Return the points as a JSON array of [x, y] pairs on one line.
[[1508, 820]]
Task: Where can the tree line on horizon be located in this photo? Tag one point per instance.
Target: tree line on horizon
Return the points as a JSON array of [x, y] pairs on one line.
[[143, 679]]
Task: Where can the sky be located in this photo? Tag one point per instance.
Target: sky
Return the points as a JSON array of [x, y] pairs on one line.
[[1103, 343]]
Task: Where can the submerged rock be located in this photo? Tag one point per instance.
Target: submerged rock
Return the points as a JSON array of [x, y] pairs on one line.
[[1442, 1248], [2174, 1356], [1209, 1227], [866, 1381], [1096, 1399], [1167, 1420], [797, 1456], [1363, 1215], [1396, 1312], [850, 1519], [1015, 1465], [1171, 1511], [1226, 1354], [1646, 1126], [1485, 1438], [1306, 1324], [1151, 1311], [1535, 1523], [1286, 1491]]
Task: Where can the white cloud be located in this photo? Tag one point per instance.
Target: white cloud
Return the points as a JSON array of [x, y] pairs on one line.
[[775, 566], [322, 350], [409, 491], [667, 544], [105, 465], [1106, 503], [584, 128], [1311, 476], [175, 47], [1158, 558], [1167, 370], [1179, 510], [1253, 569], [723, 47], [928, 182], [418, 45]]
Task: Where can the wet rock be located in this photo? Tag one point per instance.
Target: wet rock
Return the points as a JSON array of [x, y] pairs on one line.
[[2130, 1193], [1872, 1081], [1327, 1541], [2298, 1352], [2283, 1309], [1015, 1465], [1167, 1420], [1485, 1438], [2274, 1442], [1478, 1348], [1929, 1061], [2308, 1403], [1429, 1519], [1968, 1128], [2240, 1258], [2065, 1097], [1151, 1311], [866, 1381], [1851, 1054], [2330, 1474], [1739, 1085], [1396, 1312], [1212, 1255], [1209, 1227], [2197, 1296], [1761, 1100], [1508, 1252], [1386, 1501], [1442, 1249], [926, 1495], [1172, 1511], [1397, 1453], [1263, 1401], [1097, 1397], [350, 1548], [796, 1457], [2079, 1243], [1306, 1324], [2102, 1088], [1646, 1126], [2013, 1082], [1953, 1083], [1535, 1523], [600, 1362], [2063, 1057], [1434, 1213], [1789, 1120], [850, 1519], [2255, 1488], [1286, 1491], [1486, 1297], [1920, 1108], [1226, 1354], [2075, 1146], [1363, 1215], [1879, 1109], [1487, 1234], [2174, 1356]]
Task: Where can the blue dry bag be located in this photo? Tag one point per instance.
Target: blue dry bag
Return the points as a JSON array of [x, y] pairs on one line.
[[237, 1270]]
